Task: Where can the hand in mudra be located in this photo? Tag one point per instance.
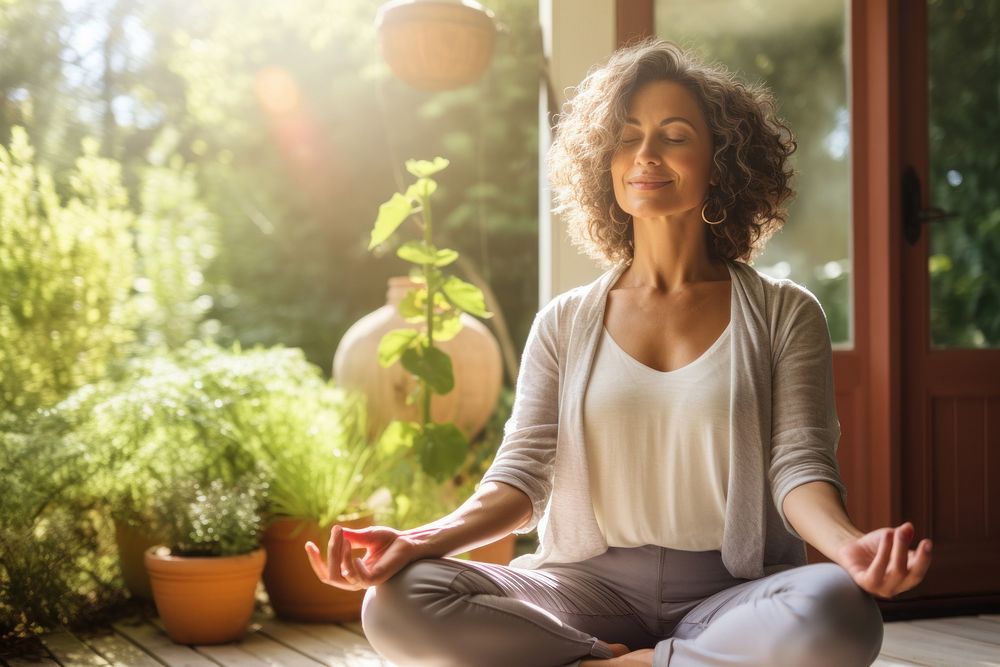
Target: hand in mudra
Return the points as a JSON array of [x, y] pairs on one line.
[[882, 563], [387, 551]]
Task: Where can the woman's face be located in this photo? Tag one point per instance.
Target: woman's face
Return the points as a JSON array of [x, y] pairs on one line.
[[667, 140]]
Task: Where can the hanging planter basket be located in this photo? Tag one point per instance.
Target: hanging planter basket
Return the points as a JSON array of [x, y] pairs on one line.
[[436, 44]]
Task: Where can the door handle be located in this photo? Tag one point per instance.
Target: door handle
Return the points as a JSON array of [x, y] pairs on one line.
[[913, 215]]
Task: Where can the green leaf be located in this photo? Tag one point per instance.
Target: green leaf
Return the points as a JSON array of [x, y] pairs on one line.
[[393, 345], [397, 436], [466, 296], [391, 215], [447, 325], [411, 307], [424, 168], [431, 365], [418, 252], [422, 189], [445, 256], [442, 450]]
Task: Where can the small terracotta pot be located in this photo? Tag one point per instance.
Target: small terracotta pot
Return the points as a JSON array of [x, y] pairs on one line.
[[204, 600], [500, 552], [132, 544], [292, 586]]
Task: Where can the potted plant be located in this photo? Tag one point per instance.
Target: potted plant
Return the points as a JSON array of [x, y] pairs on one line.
[[163, 420], [205, 577], [322, 470]]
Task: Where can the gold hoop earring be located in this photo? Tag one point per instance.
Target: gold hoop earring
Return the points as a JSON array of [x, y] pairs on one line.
[[711, 222]]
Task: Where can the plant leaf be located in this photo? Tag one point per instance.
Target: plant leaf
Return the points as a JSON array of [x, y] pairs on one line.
[[445, 256], [424, 168], [466, 296], [391, 215], [423, 188], [418, 252], [431, 365], [447, 325], [411, 306], [442, 450], [397, 436], [393, 344]]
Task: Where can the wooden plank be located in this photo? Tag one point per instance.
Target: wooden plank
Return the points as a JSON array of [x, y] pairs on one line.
[[258, 649], [355, 627], [231, 655], [25, 662], [71, 652], [930, 647], [158, 645], [976, 629], [329, 644], [253, 650], [884, 661], [119, 651]]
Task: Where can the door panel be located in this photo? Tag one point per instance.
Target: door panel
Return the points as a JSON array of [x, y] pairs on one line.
[[951, 397]]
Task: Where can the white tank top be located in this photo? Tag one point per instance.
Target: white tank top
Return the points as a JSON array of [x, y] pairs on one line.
[[658, 447]]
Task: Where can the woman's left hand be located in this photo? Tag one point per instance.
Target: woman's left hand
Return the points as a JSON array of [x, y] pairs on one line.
[[882, 563]]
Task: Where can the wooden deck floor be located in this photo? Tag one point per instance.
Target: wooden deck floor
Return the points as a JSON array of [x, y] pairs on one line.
[[966, 641]]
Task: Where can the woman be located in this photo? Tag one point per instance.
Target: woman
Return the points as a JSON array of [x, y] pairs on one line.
[[674, 431]]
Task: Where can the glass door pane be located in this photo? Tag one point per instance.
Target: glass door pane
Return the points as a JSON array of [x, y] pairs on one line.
[[964, 100], [800, 51]]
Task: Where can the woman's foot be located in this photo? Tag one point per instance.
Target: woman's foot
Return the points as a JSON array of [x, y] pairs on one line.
[[623, 658]]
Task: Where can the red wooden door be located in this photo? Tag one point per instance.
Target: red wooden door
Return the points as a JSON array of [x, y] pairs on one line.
[[950, 364]]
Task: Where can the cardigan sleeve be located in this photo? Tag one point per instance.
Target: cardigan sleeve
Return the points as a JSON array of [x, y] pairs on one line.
[[805, 430], [526, 454]]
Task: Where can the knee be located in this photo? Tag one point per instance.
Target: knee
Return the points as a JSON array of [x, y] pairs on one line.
[[401, 601], [844, 621]]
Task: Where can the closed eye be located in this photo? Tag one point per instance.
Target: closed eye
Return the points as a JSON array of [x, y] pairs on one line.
[[669, 141]]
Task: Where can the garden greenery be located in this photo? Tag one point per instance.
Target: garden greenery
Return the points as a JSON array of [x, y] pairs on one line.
[[66, 269]]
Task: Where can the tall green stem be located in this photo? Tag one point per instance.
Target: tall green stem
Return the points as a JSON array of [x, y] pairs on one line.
[[430, 307]]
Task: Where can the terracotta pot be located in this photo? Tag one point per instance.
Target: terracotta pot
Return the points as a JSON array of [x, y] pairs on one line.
[[475, 360], [132, 545], [292, 586], [435, 45], [204, 600], [500, 552]]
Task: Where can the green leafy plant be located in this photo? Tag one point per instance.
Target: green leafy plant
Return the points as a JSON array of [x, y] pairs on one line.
[[203, 409], [437, 304], [66, 268], [212, 518]]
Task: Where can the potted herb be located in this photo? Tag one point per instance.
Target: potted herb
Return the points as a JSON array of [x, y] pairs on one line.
[[205, 576]]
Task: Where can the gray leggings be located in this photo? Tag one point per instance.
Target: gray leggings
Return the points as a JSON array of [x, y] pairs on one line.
[[447, 612]]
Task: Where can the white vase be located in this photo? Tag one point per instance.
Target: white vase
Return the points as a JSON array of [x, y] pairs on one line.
[[475, 360]]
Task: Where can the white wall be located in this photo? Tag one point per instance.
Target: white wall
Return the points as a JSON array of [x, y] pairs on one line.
[[576, 35]]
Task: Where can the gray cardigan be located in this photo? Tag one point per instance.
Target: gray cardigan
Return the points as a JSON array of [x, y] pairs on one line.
[[783, 422]]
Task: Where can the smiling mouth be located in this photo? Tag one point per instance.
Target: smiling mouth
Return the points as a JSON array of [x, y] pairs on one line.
[[639, 185]]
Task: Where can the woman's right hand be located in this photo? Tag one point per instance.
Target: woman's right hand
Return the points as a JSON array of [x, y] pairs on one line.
[[387, 551]]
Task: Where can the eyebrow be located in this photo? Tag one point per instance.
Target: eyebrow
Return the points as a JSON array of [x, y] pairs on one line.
[[666, 121]]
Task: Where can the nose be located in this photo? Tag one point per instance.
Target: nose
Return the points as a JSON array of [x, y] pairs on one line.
[[646, 153]]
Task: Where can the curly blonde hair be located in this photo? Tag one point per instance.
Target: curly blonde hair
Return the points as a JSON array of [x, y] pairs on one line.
[[750, 144]]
